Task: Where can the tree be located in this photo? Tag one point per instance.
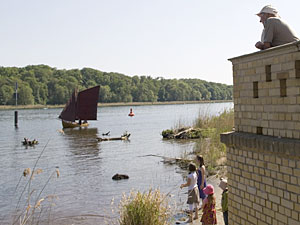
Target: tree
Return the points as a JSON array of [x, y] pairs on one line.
[[25, 96], [6, 95], [42, 72], [104, 94], [61, 95], [162, 94], [53, 86]]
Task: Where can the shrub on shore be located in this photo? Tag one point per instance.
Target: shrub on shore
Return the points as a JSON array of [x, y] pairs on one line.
[[212, 147], [150, 208], [209, 143]]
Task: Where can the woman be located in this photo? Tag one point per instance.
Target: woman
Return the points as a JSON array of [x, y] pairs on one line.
[[201, 176]]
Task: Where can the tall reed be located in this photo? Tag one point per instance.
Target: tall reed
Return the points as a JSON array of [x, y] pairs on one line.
[[35, 205], [211, 147], [149, 208]]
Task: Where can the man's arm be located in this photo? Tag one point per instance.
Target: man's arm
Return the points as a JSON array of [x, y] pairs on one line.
[[267, 36], [260, 45]]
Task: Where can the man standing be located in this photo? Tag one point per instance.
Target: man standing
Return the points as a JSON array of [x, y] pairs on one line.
[[276, 32]]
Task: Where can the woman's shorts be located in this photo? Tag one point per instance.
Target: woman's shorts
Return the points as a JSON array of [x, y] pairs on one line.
[[193, 196]]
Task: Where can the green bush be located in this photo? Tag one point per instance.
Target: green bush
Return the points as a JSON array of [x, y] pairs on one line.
[[166, 133]]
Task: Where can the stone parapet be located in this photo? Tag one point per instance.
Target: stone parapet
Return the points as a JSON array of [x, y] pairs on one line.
[[266, 91], [262, 143]]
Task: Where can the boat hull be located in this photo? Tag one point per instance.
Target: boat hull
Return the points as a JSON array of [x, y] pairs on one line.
[[69, 124]]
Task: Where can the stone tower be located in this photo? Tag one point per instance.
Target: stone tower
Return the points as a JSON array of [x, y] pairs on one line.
[[263, 153]]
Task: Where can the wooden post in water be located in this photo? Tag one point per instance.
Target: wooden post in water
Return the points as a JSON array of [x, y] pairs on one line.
[[16, 118], [16, 112]]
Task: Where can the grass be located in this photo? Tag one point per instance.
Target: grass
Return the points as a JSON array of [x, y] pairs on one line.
[[211, 147], [149, 208]]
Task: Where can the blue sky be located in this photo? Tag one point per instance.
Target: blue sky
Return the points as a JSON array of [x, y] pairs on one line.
[[157, 38]]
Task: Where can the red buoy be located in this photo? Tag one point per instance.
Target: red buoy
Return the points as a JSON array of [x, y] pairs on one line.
[[131, 113]]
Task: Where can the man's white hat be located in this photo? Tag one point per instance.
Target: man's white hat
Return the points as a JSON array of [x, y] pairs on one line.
[[268, 9]]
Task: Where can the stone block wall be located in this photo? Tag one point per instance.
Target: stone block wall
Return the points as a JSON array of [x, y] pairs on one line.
[[263, 179], [263, 153], [267, 91]]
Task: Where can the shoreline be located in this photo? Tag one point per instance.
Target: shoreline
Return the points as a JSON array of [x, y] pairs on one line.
[[9, 107]]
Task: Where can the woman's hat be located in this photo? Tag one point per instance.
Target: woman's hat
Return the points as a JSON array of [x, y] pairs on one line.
[[223, 184], [208, 190]]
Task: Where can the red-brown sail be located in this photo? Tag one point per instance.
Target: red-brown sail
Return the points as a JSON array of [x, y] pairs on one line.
[[69, 112], [81, 106], [87, 101]]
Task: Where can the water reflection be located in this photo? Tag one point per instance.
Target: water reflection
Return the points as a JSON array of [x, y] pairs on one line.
[[180, 142], [83, 142]]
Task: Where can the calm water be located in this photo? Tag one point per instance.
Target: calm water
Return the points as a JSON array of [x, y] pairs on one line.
[[85, 188]]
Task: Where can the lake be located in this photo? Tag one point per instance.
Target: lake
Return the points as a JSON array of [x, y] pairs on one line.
[[85, 188]]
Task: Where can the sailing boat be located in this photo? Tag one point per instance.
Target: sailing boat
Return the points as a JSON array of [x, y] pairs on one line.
[[82, 106]]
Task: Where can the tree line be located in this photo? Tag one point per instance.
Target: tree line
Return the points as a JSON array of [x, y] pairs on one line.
[[41, 84]]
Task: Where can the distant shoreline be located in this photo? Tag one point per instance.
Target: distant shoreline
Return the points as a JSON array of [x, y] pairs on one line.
[[8, 107]]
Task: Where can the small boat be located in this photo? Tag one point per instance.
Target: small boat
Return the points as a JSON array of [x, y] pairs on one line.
[[70, 124], [81, 107], [29, 143]]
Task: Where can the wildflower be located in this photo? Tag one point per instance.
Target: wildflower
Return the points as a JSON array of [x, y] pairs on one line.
[[28, 208], [26, 172], [38, 171], [38, 204], [57, 173]]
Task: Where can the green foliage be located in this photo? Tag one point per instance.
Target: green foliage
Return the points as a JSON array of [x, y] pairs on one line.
[[221, 123], [208, 128], [212, 147], [188, 133], [25, 96], [167, 133], [204, 133], [6, 95], [52, 86], [145, 209]]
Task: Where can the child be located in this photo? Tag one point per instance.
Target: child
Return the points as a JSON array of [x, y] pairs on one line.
[[224, 200], [209, 216], [201, 176], [193, 192]]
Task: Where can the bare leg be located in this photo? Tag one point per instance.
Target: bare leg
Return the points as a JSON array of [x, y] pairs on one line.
[[190, 217], [196, 213]]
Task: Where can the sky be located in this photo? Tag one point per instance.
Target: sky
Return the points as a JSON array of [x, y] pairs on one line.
[[157, 38]]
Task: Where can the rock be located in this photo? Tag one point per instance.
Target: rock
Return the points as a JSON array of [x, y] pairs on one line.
[[120, 176], [187, 133]]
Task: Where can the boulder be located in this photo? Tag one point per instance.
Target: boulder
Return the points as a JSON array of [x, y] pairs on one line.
[[120, 176]]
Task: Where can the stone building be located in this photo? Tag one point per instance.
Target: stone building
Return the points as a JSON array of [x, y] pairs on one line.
[[263, 153]]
